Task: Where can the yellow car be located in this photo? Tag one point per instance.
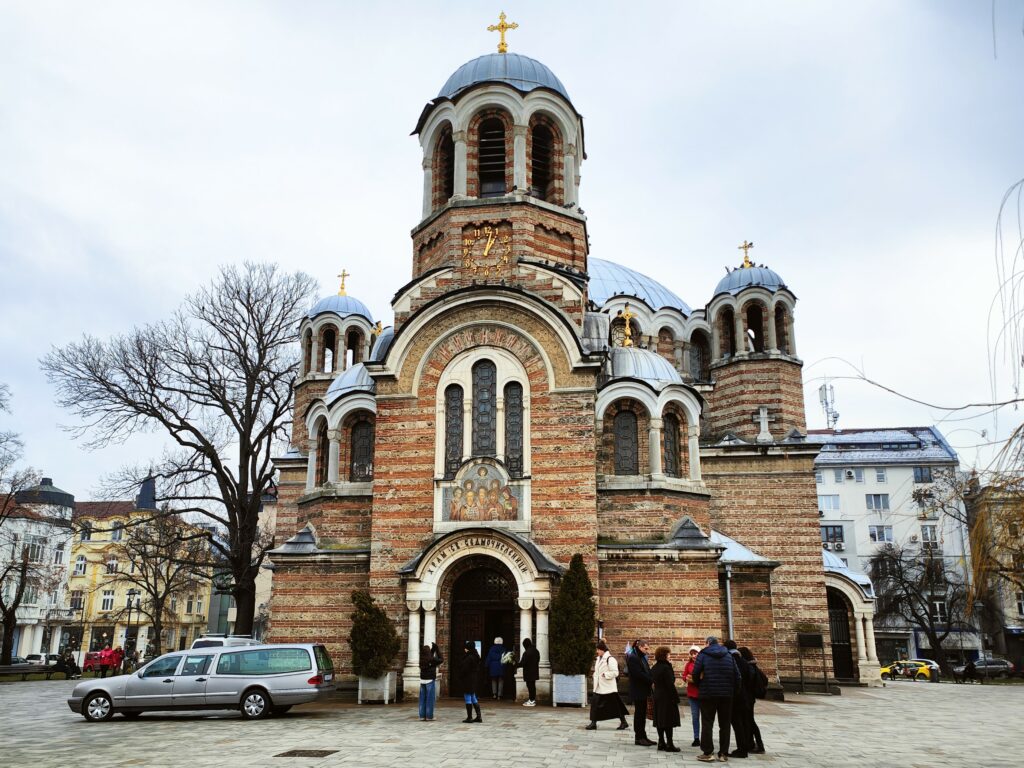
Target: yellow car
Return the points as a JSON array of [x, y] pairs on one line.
[[908, 670]]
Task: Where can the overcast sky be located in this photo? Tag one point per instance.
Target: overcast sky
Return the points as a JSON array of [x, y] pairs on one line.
[[864, 148]]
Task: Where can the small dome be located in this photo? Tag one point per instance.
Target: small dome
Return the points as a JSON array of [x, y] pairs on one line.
[[521, 72], [341, 306], [633, 363], [383, 343], [746, 277], [608, 279], [355, 379], [46, 493]]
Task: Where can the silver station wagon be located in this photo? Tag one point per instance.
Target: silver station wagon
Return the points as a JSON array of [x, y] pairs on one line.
[[258, 680]]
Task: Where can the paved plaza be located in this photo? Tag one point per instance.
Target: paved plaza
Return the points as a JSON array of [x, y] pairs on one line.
[[904, 724]]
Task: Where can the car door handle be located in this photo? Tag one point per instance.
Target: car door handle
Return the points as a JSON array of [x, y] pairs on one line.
[[169, 680], [200, 679]]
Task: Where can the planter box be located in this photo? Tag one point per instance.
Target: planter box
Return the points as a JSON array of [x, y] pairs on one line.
[[570, 690], [380, 690]]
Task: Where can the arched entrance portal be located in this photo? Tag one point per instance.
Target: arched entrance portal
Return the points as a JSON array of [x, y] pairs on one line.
[[481, 593], [839, 627]]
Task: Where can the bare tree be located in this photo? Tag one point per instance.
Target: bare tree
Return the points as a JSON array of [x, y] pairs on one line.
[[217, 379], [914, 586]]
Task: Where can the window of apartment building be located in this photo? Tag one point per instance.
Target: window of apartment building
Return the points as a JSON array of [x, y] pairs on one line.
[[880, 534], [853, 474], [36, 548], [199, 604], [837, 475], [828, 503], [77, 600], [922, 474], [930, 536], [112, 565], [1020, 603], [108, 600], [880, 474], [877, 502], [174, 604], [85, 534], [819, 477], [935, 570], [30, 595], [58, 554], [189, 603], [832, 533], [882, 569], [1014, 529], [80, 565], [116, 532], [938, 611]]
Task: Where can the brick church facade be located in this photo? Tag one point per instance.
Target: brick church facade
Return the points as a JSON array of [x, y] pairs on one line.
[[529, 403]]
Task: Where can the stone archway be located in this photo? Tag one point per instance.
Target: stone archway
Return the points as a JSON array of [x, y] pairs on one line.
[[859, 622]]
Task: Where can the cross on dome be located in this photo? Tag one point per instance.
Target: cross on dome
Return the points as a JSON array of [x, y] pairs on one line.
[[747, 263], [343, 274], [502, 27]]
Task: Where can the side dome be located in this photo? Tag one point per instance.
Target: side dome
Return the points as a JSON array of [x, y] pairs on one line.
[[521, 72], [382, 344], [355, 379], [746, 277], [608, 279], [341, 306], [642, 364]]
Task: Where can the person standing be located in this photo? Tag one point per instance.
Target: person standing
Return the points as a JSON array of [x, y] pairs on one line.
[[117, 660], [469, 669], [742, 704], [758, 687], [717, 677], [666, 699], [692, 693], [606, 704], [639, 669], [529, 662], [430, 660], [106, 659], [495, 668]]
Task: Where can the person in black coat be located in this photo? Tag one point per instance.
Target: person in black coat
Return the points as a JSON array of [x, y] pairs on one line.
[[430, 660], [756, 743], [639, 690], [469, 669], [742, 704], [666, 699], [529, 662], [718, 678]]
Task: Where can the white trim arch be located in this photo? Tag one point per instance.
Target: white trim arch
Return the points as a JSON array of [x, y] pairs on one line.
[[346, 406], [863, 625], [622, 390]]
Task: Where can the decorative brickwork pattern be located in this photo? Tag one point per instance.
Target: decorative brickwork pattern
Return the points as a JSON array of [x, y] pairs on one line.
[[742, 386]]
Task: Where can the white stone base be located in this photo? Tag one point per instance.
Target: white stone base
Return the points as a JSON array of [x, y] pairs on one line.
[[869, 674], [569, 689], [381, 689]]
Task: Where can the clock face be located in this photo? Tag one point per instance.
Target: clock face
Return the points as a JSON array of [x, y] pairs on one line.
[[487, 250]]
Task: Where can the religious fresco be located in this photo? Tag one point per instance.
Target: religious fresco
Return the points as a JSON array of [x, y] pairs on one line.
[[481, 493]]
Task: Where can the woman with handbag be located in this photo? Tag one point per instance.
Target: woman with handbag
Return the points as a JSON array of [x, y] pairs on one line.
[[606, 704]]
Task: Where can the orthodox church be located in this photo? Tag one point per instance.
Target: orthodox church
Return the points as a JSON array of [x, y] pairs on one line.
[[530, 402]]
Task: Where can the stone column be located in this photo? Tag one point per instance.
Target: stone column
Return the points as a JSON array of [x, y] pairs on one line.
[[519, 157], [540, 639], [525, 631], [428, 187], [773, 341], [870, 639], [411, 676], [693, 448], [654, 446], [858, 625], [499, 426], [741, 337], [429, 622], [459, 137], [790, 336], [716, 341], [314, 351], [569, 176], [467, 424], [311, 465], [333, 454]]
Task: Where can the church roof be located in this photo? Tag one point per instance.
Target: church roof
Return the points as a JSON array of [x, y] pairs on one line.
[[834, 564], [355, 379], [340, 305], [735, 553], [746, 277], [382, 344], [906, 445], [521, 72], [642, 364], [608, 279]]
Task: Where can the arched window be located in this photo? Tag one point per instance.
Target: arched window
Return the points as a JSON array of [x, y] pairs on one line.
[[485, 411], [323, 448], [700, 356], [361, 468], [354, 351], [445, 169], [727, 329], [330, 339], [782, 329], [541, 142], [452, 430], [627, 454], [491, 158], [80, 565], [755, 328], [670, 428], [514, 428]]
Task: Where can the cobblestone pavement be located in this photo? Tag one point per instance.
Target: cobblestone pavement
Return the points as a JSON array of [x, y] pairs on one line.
[[904, 724]]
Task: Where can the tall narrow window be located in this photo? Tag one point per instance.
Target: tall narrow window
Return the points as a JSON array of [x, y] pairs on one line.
[[446, 167], [782, 329], [700, 356], [541, 144], [361, 468], [330, 350], [492, 158], [727, 328], [514, 428], [485, 412], [755, 328], [452, 430], [670, 426], [626, 449], [323, 454]]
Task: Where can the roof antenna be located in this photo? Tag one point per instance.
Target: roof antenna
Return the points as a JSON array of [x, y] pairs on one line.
[[827, 397]]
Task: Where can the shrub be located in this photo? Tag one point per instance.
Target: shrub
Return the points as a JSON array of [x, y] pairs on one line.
[[373, 638], [573, 622]]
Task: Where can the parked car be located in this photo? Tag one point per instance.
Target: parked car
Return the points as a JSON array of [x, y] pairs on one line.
[[907, 669], [988, 668], [258, 680], [15, 660], [933, 667], [41, 658], [218, 641], [92, 661]]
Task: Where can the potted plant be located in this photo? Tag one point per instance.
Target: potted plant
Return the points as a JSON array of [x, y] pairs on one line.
[[572, 635], [375, 645]]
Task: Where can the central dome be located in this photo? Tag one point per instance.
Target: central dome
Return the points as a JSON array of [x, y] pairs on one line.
[[521, 72]]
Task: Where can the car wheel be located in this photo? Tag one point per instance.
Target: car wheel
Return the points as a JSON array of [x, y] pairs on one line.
[[280, 710], [131, 715], [255, 704], [921, 676], [98, 707], [886, 676]]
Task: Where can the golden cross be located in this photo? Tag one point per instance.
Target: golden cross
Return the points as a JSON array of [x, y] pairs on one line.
[[747, 264], [627, 340], [502, 27], [343, 274]]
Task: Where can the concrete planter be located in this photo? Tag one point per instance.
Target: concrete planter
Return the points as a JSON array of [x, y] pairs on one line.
[[570, 690], [379, 690]]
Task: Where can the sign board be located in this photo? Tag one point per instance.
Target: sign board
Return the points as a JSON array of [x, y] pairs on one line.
[[810, 640]]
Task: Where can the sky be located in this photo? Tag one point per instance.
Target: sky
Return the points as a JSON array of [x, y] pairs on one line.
[[864, 148]]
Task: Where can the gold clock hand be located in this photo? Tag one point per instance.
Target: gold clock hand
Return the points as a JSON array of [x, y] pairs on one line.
[[490, 244]]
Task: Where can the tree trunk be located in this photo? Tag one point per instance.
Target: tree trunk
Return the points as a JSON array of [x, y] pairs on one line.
[[244, 593], [10, 623]]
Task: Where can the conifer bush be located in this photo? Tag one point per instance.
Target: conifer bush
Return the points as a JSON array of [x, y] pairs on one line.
[[373, 638], [573, 622]]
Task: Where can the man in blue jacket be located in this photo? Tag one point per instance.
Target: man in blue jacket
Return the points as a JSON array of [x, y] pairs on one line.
[[639, 690], [718, 679]]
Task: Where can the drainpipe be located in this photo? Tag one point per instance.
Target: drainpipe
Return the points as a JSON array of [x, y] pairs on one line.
[[728, 595]]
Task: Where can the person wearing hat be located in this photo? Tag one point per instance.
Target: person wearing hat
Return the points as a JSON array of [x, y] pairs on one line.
[[495, 668], [692, 693], [469, 668]]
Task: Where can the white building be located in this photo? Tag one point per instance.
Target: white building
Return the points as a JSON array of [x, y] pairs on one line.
[[40, 523], [866, 479]]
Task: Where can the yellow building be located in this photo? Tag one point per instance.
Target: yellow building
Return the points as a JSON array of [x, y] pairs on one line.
[[111, 587]]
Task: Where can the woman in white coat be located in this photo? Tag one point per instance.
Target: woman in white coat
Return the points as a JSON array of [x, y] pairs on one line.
[[606, 705]]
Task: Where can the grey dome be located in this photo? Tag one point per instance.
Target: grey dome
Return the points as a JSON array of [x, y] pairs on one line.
[[383, 343], [633, 363], [521, 72], [340, 305], [355, 379], [608, 279], [746, 277], [45, 493]]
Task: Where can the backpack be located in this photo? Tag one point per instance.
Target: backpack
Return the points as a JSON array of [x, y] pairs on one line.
[[759, 682]]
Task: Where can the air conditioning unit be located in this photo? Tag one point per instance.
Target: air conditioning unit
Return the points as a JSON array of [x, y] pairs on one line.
[[849, 474], [913, 538], [840, 546], [826, 544]]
